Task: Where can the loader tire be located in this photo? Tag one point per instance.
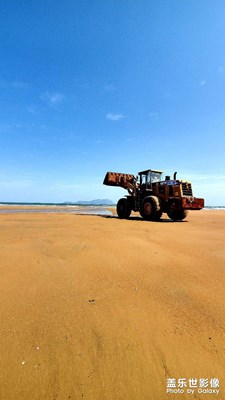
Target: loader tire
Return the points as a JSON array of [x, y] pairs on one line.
[[177, 215], [123, 209], [151, 209]]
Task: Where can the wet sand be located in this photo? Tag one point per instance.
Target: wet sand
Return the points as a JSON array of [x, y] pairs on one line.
[[78, 209], [98, 308]]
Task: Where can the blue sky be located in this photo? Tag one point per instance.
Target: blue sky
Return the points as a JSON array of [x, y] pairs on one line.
[[91, 86]]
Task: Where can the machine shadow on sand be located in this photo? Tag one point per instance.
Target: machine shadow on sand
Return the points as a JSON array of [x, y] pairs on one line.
[[140, 219]]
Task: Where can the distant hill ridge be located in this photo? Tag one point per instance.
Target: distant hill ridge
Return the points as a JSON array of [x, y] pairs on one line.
[[95, 202]]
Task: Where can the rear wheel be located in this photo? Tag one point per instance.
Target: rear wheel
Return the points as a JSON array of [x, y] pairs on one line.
[[177, 215], [151, 209], [123, 209]]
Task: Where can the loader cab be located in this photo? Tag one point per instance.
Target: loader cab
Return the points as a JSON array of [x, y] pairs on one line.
[[149, 177]]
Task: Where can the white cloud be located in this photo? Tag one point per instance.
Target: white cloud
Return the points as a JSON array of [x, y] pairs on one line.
[[52, 98], [10, 126], [32, 109], [114, 117], [109, 88], [221, 68], [202, 82], [153, 115], [17, 84]]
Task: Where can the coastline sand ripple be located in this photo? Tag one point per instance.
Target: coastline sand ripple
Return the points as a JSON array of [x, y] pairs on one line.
[[99, 308]]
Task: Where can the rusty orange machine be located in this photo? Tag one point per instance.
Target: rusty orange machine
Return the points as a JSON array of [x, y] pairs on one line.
[[151, 195]]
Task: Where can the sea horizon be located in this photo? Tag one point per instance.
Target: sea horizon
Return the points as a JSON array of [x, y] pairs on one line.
[[63, 204]]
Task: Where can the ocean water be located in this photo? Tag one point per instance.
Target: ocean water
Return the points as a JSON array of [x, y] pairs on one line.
[[214, 208], [9, 203], [54, 208]]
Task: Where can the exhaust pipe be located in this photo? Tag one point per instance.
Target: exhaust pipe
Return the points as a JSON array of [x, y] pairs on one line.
[[175, 176]]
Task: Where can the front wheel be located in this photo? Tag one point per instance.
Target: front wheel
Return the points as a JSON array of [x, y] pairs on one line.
[[123, 209], [151, 209]]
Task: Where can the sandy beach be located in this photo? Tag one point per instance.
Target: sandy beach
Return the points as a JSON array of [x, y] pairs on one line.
[[97, 308]]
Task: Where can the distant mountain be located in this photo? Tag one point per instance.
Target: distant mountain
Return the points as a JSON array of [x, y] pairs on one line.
[[102, 202], [97, 202]]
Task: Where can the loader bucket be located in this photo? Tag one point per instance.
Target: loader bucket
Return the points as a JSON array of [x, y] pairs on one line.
[[118, 179]]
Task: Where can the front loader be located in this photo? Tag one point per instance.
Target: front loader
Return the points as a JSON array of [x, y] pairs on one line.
[[151, 196]]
